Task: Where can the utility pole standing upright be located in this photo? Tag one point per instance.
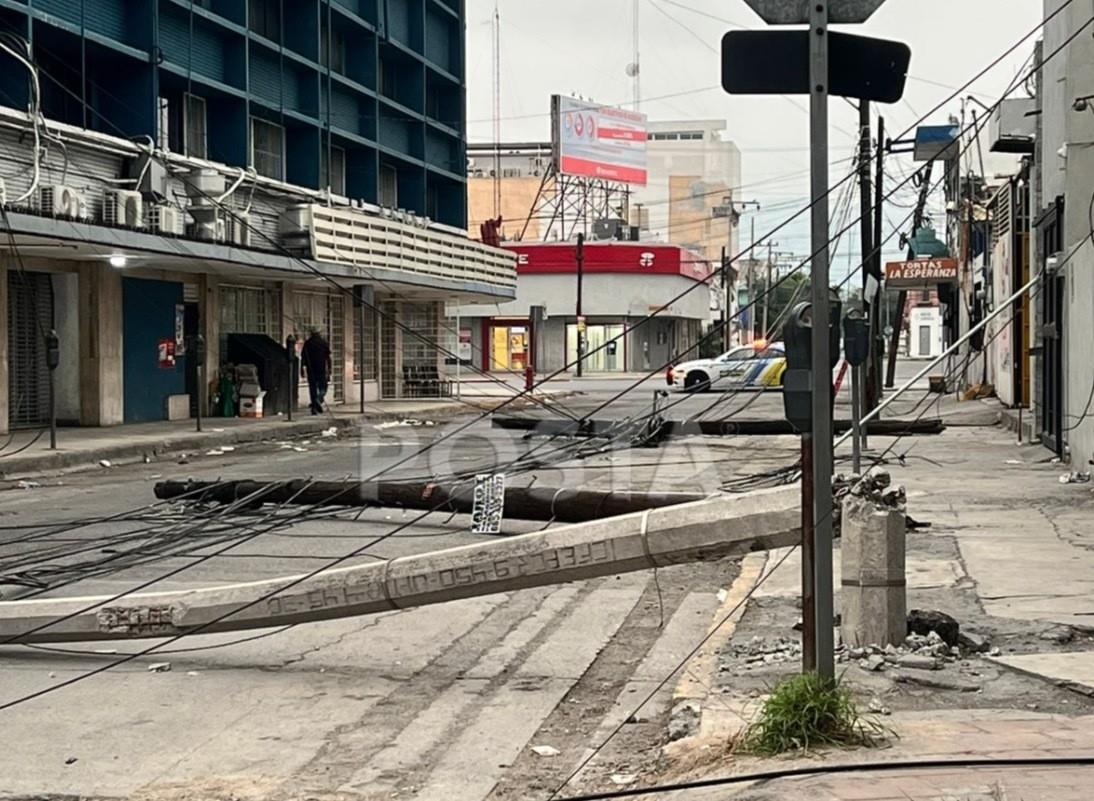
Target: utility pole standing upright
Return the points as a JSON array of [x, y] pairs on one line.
[[725, 301], [860, 378], [877, 302], [580, 258], [902, 297], [767, 288]]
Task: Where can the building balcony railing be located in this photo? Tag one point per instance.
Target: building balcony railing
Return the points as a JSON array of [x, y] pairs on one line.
[[365, 240]]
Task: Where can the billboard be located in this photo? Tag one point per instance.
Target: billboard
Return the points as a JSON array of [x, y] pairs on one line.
[[593, 141]]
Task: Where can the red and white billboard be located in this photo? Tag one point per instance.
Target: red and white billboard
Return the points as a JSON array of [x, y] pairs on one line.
[[593, 141], [609, 257]]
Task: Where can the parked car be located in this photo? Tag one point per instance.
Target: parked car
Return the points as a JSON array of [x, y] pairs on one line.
[[759, 365]]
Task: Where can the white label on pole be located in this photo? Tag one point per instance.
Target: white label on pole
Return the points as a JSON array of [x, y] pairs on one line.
[[488, 506]]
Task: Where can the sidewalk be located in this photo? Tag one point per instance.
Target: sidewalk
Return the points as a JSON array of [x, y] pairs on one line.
[[1010, 554], [28, 451]]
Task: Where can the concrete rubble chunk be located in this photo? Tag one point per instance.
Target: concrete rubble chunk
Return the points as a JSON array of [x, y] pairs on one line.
[[684, 720], [973, 642], [545, 750], [918, 662], [873, 663], [924, 621], [1061, 635]]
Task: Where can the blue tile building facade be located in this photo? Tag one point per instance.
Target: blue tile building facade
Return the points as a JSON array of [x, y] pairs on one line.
[[364, 97]]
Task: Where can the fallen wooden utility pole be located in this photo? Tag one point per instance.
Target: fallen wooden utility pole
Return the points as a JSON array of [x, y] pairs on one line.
[[521, 503], [716, 428], [732, 525]]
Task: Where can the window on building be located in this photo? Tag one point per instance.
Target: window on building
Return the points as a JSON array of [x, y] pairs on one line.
[[332, 49], [332, 169], [389, 186], [195, 137], [266, 18], [389, 80], [268, 148]]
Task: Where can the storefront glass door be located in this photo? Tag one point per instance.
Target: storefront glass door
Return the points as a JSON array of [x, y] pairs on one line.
[[604, 346]]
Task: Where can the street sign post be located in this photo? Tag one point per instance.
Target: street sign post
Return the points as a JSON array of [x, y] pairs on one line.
[[819, 14], [797, 12]]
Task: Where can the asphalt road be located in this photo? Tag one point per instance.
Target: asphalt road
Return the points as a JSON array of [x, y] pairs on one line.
[[392, 706]]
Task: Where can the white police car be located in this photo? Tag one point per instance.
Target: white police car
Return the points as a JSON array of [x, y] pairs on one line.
[[759, 365]]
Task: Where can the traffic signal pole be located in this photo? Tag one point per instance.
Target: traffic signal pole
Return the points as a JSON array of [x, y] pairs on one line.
[[817, 543]]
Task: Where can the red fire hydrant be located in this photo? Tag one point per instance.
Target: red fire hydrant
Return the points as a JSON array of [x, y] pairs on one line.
[[529, 377]]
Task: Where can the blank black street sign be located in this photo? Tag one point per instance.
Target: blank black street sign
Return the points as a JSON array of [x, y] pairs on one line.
[[777, 63]]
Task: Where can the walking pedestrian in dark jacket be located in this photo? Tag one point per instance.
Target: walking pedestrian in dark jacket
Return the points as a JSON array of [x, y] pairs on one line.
[[315, 362]]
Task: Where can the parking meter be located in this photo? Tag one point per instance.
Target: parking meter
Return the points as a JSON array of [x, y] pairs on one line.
[[197, 350], [856, 338], [798, 378], [53, 350], [290, 347]]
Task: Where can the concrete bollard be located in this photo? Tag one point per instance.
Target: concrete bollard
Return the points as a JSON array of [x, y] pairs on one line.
[[874, 593]]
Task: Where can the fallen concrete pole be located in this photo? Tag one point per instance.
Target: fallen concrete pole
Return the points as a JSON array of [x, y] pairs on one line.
[[715, 428], [521, 503], [718, 527]]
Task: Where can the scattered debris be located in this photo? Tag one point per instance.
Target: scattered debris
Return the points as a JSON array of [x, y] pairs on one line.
[[973, 642], [330, 432], [71, 760], [623, 779], [1014, 461], [298, 449], [227, 448], [1061, 635], [934, 681], [159, 667], [917, 662], [873, 663], [994, 652], [25, 485], [215, 452], [105, 463], [1075, 478], [924, 621], [545, 750], [192, 673], [684, 720], [879, 708]]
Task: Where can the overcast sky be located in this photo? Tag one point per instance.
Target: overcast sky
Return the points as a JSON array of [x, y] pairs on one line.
[[583, 47]]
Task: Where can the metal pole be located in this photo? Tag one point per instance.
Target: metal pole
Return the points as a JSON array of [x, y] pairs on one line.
[[290, 352], [53, 361], [822, 371], [459, 359], [856, 417], [361, 348], [201, 391], [859, 376], [725, 302], [580, 316], [767, 290], [52, 411], [809, 619], [877, 304]]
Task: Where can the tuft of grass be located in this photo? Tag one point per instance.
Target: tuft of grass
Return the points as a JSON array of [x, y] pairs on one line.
[[807, 712]]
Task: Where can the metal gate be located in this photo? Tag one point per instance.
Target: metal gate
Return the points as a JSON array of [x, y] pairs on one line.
[[409, 355], [30, 316], [1050, 228]]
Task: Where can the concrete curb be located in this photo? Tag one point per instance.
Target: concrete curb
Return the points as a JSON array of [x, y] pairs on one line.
[[15, 467]]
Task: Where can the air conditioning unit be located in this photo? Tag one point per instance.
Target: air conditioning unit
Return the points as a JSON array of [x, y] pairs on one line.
[[166, 219], [62, 201], [212, 230], [238, 229], [123, 207]]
